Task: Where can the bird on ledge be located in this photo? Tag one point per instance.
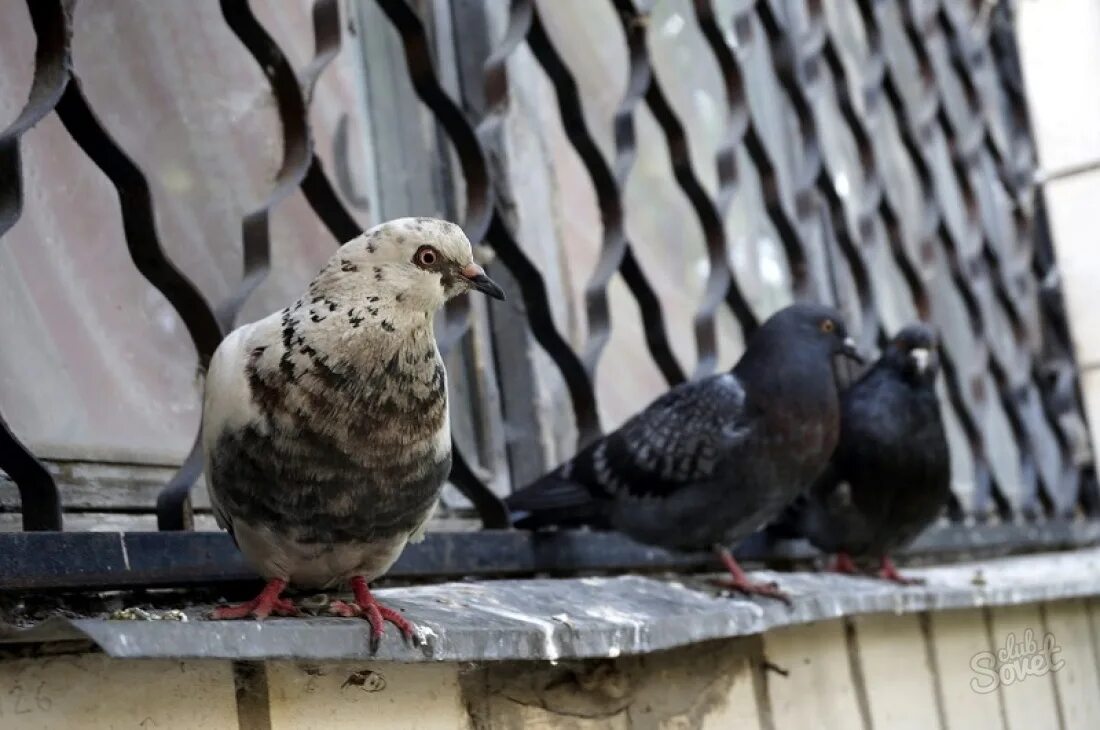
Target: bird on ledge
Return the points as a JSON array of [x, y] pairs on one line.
[[325, 425], [712, 460], [890, 477]]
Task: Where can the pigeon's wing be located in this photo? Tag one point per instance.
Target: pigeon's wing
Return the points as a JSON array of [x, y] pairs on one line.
[[679, 440], [227, 406]]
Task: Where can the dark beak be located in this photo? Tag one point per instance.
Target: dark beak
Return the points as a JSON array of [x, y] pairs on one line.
[[849, 350], [478, 280]]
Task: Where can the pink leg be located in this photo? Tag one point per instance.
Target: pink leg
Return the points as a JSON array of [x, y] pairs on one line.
[[367, 606], [842, 563], [741, 583], [262, 606], [887, 571]]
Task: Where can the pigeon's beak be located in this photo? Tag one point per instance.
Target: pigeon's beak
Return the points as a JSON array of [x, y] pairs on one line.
[[921, 356], [849, 350], [478, 280]]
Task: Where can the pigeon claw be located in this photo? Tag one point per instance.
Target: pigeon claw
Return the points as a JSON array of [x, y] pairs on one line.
[[843, 564], [748, 588], [260, 607], [888, 571], [740, 582], [367, 606]]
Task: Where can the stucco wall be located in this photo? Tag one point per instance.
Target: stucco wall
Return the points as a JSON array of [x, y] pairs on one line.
[[878, 671], [1060, 54]]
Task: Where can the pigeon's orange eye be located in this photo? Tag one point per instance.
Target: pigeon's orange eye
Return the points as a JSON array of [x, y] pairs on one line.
[[827, 326], [426, 256]]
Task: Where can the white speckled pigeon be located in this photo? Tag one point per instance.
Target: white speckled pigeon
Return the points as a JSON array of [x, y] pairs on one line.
[[890, 477], [712, 460], [325, 425]]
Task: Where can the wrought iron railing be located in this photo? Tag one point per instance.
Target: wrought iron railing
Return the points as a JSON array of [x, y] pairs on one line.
[[929, 93]]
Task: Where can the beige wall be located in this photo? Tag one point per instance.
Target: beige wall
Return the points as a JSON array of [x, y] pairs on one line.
[[1060, 53], [880, 671]]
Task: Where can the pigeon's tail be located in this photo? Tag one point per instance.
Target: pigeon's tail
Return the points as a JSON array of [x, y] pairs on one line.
[[789, 524], [553, 501]]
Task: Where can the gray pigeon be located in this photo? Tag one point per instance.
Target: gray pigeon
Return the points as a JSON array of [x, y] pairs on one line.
[[712, 460], [890, 477], [325, 425]]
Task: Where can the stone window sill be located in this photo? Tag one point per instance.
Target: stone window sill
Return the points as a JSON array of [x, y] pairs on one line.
[[548, 619]]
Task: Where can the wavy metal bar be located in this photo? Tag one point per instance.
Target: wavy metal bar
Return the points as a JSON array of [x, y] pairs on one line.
[[138, 220], [418, 59], [147, 252], [1016, 173], [319, 191], [1056, 375], [299, 167], [608, 181], [172, 512], [878, 207], [302, 168], [882, 84], [920, 30], [471, 158], [1015, 166], [40, 501], [720, 284], [52, 66], [742, 130], [321, 196], [297, 153], [793, 62], [39, 498], [470, 147]]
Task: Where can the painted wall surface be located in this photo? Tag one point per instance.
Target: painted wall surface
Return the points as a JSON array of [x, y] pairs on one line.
[[925, 671]]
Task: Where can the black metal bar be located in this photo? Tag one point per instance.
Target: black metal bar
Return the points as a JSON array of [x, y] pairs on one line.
[[797, 64], [720, 285], [608, 179], [297, 152], [173, 501], [743, 128], [982, 262], [104, 560], [39, 497], [147, 253], [470, 145], [38, 493], [913, 124]]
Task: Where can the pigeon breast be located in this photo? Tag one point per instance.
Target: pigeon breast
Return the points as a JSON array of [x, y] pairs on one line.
[[337, 454]]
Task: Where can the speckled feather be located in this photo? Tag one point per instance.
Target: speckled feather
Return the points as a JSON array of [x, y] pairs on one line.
[[712, 460], [325, 424], [891, 475]]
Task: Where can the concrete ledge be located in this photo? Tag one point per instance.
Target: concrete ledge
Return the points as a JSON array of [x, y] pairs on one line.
[[579, 618]]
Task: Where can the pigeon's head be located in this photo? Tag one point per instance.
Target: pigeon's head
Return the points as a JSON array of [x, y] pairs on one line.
[[914, 353], [814, 327], [417, 262]]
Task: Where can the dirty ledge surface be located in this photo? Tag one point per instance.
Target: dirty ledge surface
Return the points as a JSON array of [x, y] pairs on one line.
[[547, 619]]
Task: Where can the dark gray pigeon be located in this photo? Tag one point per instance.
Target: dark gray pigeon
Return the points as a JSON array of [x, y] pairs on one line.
[[890, 477], [325, 425], [712, 460]]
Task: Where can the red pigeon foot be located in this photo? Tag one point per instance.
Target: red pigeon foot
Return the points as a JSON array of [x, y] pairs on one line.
[[367, 606], [260, 607], [888, 571], [843, 564], [740, 582]]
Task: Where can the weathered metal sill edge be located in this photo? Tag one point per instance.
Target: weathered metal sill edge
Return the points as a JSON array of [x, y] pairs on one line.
[[547, 619]]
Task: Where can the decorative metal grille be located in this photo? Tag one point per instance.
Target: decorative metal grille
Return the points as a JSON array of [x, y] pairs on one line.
[[929, 209]]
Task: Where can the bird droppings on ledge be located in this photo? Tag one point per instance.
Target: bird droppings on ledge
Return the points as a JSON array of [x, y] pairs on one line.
[[136, 613], [559, 620]]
